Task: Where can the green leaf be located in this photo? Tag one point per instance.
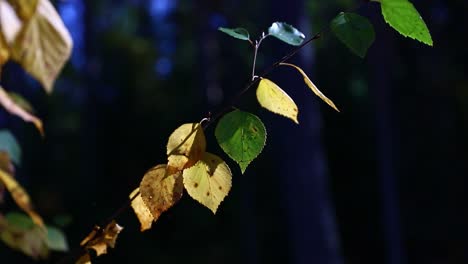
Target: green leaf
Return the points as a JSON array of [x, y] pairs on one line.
[[242, 136], [355, 31], [404, 18], [286, 33], [56, 239], [19, 220], [9, 144], [238, 33]]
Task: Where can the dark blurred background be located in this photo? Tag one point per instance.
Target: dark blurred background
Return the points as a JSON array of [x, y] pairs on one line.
[[381, 182]]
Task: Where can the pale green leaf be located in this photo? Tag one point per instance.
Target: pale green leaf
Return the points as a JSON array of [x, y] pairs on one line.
[[286, 33], [312, 86], [238, 33], [242, 136], [274, 99], [56, 239], [9, 144]]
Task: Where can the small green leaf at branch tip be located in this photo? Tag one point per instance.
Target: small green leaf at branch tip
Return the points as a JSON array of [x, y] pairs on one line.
[[238, 33], [405, 19], [242, 136], [312, 86], [286, 33], [355, 31]]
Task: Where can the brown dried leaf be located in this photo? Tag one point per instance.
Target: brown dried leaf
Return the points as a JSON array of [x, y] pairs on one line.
[[99, 240], [43, 45], [14, 109], [185, 147], [159, 192], [7, 166], [24, 8], [84, 259], [20, 196], [141, 210]]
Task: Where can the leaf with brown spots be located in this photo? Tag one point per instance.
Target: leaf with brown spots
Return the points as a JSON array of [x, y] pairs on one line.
[[16, 109], [99, 240], [141, 210], [20, 196], [43, 45], [275, 100], [312, 86], [160, 192], [185, 147], [208, 181]]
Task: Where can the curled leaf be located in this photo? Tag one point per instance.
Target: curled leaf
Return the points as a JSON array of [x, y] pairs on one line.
[[312, 86], [20, 196], [99, 240], [242, 136], [208, 181], [15, 109], [286, 33], [185, 147], [274, 99], [159, 192], [141, 210]]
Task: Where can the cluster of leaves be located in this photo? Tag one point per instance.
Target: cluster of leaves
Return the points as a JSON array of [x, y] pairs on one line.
[[33, 35]]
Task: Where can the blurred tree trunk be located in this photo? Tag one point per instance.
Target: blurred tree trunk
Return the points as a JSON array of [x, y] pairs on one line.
[[310, 212]]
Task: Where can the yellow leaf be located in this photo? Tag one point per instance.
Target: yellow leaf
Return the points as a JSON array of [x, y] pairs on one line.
[[160, 192], [4, 51], [274, 99], [99, 240], [141, 210], [20, 196], [24, 8], [13, 108], [43, 45], [312, 86], [208, 181], [185, 147]]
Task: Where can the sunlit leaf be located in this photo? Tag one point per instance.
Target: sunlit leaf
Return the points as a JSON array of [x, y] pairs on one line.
[[84, 259], [100, 240], [142, 211], [25, 9], [20, 196], [159, 192], [10, 23], [185, 147], [43, 45], [56, 239], [7, 102], [20, 233], [238, 33], [355, 31], [208, 181], [286, 33], [312, 86], [9, 144], [274, 99], [404, 18], [242, 136]]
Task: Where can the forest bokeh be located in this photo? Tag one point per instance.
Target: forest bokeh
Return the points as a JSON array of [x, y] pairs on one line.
[[381, 182]]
